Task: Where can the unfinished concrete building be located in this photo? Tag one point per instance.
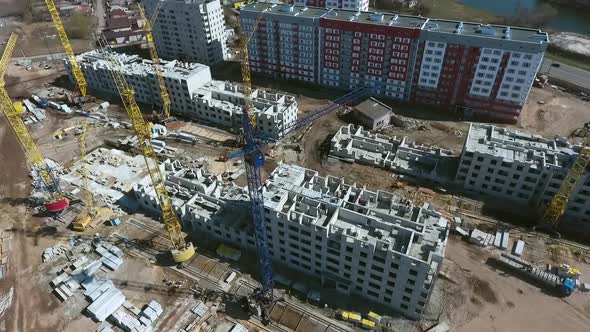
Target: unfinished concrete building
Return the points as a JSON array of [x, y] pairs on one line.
[[414, 161], [194, 94], [523, 168], [189, 30], [376, 245]]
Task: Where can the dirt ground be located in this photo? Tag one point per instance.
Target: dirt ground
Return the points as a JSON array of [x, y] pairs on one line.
[[26, 250], [551, 112], [486, 299]]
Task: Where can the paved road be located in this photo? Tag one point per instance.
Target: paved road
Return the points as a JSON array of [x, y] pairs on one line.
[[99, 13], [566, 73]]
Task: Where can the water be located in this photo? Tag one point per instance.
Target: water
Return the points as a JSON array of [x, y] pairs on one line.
[[568, 18]]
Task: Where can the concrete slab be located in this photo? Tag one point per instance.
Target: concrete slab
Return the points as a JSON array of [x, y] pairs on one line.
[[106, 304]]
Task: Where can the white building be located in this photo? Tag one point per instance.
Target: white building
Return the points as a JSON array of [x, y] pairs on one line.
[[193, 93], [375, 245], [413, 161], [522, 168], [189, 30]]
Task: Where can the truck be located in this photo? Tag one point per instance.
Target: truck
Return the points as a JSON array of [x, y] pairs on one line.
[[562, 286]]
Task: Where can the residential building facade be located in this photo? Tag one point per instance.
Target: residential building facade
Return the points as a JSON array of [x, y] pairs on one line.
[[522, 168], [375, 245], [481, 70], [189, 30], [193, 93]]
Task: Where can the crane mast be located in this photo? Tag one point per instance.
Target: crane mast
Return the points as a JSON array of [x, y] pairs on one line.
[[262, 298], [63, 37], [558, 204], [56, 202], [182, 251], [147, 29]]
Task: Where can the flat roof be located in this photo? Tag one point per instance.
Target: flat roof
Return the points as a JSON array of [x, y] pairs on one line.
[[373, 108], [405, 21], [514, 145], [486, 30]]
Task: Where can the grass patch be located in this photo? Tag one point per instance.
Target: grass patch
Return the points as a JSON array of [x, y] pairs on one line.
[[455, 10], [568, 59]]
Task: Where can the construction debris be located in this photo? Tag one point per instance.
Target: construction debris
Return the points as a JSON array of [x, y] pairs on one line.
[[54, 252], [480, 238]]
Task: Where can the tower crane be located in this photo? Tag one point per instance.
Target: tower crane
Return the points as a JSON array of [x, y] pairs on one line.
[[147, 29], [89, 212], [262, 298], [558, 204], [55, 201], [63, 37], [182, 250]]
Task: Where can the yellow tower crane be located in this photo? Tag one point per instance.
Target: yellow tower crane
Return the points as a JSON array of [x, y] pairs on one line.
[[244, 40], [86, 216], [147, 29], [182, 251], [558, 204], [63, 37], [56, 202]]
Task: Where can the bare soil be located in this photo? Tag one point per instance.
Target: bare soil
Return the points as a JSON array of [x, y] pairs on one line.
[[551, 112], [26, 252], [486, 299]]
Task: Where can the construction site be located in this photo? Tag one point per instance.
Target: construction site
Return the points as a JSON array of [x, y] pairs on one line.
[[155, 181]]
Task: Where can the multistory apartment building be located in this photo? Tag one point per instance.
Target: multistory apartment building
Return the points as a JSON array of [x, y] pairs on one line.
[[522, 168], [189, 30], [376, 245], [476, 69], [344, 4], [193, 93]]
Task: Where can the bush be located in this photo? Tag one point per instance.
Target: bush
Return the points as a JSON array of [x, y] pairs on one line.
[[79, 26]]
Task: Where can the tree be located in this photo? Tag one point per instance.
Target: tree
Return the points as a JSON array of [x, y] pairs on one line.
[[78, 26], [421, 9]]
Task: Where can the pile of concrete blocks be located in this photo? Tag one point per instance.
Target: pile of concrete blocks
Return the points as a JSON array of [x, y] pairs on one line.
[[200, 309], [518, 248], [106, 304], [502, 238], [151, 313], [104, 329], [69, 278], [111, 257], [480, 238], [130, 323], [54, 252]]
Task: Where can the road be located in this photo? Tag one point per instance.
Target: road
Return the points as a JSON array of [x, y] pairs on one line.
[[566, 73], [99, 12]]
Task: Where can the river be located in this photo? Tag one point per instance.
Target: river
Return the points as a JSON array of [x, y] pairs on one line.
[[568, 18]]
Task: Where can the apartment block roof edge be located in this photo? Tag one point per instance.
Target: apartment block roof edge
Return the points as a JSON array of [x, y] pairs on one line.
[[382, 18]]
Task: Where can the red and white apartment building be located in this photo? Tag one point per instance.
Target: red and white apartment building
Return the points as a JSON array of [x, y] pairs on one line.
[[481, 70]]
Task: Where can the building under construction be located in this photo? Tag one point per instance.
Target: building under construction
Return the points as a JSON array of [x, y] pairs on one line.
[[194, 94], [376, 245]]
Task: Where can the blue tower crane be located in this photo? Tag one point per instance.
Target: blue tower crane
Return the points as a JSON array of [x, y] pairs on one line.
[[262, 298]]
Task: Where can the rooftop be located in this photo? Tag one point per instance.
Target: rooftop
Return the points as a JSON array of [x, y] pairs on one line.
[[384, 220], [134, 64], [373, 108], [406, 21], [514, 145]]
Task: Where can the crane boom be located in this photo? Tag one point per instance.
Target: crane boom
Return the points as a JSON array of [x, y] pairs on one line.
[[558, 204], [63, 37], [147, 29], [57, 201], [182, 250]]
